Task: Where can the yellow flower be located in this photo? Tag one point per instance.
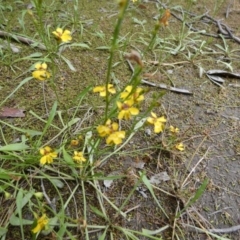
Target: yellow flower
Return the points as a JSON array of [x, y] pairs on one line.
[[180, 147], [136, 96], [174, 130], [157, 122], [102, 90], [115, 138], [78, 157], [62, 36], [110, 130], [48, 155], [126, 110], [41, 72], [41, 223]]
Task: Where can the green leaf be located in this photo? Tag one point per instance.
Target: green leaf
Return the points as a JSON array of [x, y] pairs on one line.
[[198, 194], [22, 200], [58, 183], [67, 158], [82, 45], [103, 236], [103, 48], [3, 231], [14, 147], [129, 234], [98, 212], [49, 121], [139, 124], [154, 232], [68, 63], [16, 221], [35, 55], [149, 186], [19, 86], [29, 132], [7, 175], [51, 117]]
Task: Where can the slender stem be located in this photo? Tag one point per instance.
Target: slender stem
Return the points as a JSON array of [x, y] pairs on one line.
[[84, 207], [112, 50]]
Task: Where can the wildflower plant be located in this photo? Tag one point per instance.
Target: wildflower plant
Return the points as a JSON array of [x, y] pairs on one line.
[[76, 161]]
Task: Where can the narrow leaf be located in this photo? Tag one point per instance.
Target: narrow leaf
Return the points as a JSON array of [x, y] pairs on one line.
[[68, 63], [98, 212], [16, 221], [14, 147]]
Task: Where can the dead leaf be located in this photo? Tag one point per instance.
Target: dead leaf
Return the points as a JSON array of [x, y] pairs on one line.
[[142, 6], [108, 182], [153, 76], [158, 178], [223, 73], [216, 75], [142, 191], [11, 112]]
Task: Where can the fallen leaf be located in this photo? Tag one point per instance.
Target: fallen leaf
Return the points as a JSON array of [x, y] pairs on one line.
[[110, 177], [142, 191], [11, 112], [158, 178]]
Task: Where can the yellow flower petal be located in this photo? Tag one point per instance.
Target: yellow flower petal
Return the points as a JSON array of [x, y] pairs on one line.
[[41, 224], [133, 111], [102, 90], [153, 114], [38, 66], [63, 36], [126, 110], [44, 66], [173, 129], [150, 120], [78, 157], [180, 147], [47, 155], [103, 130], [161, 119], [98, 89], [41, 72], [116, 138], [158, 127], [157, 122], [114, 126], [66, 36]]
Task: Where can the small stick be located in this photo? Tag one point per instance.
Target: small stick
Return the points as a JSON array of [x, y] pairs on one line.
[[194, 168], [46, 196], [129, 210], [163, 86], [21, 39], [214, 230]]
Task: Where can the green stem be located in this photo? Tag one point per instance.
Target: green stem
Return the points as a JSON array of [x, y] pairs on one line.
[[84, 208], [112, 50]]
